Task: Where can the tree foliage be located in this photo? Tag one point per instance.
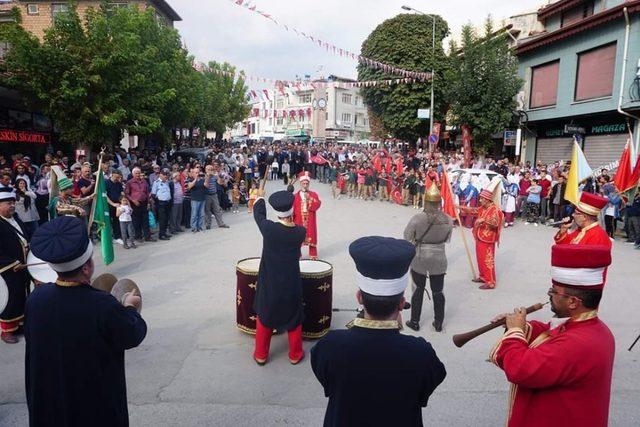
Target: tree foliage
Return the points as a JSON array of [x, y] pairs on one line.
[[113, 71], [482, 83], [405, 41]]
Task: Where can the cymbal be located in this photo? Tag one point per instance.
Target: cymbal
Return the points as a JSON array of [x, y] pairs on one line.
[[104, 282], [122, 288]]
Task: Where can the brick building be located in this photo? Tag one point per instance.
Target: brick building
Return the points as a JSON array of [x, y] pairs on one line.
[[37, 16], [29, 131]]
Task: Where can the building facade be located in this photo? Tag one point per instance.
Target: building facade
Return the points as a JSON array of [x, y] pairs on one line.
[[581, 80], [290, 112], [38, 15]]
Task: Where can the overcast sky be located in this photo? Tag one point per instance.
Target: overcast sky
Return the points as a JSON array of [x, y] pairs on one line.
[[221, 31]]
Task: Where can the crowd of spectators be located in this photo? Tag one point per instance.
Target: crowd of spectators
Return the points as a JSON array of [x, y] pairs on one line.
[[187, 186]]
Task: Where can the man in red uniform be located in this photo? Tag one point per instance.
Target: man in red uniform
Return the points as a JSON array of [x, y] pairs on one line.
[[585, 217], [486, 232], [561, 371], [305, 205]]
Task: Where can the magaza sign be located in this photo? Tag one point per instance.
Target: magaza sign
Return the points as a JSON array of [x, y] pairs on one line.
[[8, 135]]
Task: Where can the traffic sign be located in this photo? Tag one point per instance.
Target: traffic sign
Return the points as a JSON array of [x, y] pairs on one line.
[[433, 138], [424, 113]]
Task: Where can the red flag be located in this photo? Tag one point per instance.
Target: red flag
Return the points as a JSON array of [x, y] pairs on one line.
[[266, 94], [625, 177], [448, 205]]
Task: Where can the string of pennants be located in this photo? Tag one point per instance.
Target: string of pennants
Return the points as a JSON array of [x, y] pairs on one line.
[[302, 86], [292, 113], [421, 76]]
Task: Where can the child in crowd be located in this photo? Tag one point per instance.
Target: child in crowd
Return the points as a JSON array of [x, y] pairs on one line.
[[533, 203], [235, 198], [253, 195], [244, 195], [123, 212]]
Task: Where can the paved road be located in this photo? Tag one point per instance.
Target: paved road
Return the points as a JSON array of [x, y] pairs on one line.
[[195, 369]]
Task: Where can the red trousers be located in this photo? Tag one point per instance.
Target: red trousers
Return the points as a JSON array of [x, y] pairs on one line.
[[263, 341], [485, 254], [10, 326]]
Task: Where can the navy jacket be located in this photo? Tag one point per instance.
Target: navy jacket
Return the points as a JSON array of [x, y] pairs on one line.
[[278, 301], [375, 377], [75, 342]]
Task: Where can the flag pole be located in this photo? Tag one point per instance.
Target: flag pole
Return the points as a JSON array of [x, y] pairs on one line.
[[460, 226], [95, 188]]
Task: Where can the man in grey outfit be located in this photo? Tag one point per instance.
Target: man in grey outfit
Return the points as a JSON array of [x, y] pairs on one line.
[[429, 231]]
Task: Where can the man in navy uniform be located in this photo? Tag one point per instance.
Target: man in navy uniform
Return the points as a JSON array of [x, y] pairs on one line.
[[278, 300], [373, 375], [76, 336], [14, 246]]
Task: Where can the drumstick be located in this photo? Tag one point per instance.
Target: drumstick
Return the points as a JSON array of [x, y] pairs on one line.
[[35, 263]]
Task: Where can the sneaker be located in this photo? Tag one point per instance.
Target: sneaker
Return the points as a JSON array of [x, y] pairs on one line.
[[119, 241], [535, 223], [125, 246], [223, 226]]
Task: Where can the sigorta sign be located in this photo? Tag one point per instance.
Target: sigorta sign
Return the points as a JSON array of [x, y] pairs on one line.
[[8, 135]]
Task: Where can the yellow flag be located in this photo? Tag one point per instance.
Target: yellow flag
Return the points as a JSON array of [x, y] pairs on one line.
[[579, 170]]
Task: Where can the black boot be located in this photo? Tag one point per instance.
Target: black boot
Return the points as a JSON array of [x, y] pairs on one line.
[[438, 310], [416, 308]]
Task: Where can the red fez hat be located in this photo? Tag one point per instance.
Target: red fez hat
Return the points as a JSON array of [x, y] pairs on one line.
[[591, 204], [304, 176], [486, 194], [580, 266]]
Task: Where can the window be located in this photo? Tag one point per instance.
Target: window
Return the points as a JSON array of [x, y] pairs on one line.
[[279, 121], [357, 100], [305, 98], [346, 98], [355, 120], [280, 103], [113, 7], [576, 14], [4, 49], [57, 10], [346, 117], [544, 85], [33, 9], [595, 72]]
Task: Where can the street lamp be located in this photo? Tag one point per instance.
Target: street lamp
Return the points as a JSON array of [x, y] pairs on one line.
[[433, 58]]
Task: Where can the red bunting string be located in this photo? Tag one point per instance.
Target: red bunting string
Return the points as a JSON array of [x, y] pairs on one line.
[[284, 85], [421, 76]]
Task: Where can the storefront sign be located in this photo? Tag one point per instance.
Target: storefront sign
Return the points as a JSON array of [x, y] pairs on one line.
[[587, 127], [8, 135], [574, 129], [509, 138]]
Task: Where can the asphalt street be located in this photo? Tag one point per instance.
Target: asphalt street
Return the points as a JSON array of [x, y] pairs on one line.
[[195, 368]]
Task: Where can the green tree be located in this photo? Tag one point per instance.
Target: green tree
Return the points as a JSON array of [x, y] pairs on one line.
[[405, 41], [225, 97], [482, 83], [114, 71]]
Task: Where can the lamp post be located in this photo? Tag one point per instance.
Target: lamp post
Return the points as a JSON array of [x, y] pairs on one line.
[[433, 58]]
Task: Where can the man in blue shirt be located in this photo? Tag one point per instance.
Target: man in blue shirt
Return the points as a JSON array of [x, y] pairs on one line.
[[162, 195]]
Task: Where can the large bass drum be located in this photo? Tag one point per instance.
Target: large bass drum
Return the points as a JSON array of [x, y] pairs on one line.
[[247, 280], [40, 271], [4, 294], [317, 282]]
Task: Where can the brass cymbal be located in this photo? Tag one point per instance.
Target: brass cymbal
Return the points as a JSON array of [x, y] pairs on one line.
[[104, 282], [122, 288]]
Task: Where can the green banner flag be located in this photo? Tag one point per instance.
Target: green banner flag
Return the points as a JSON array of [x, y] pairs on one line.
[[101, 218]]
